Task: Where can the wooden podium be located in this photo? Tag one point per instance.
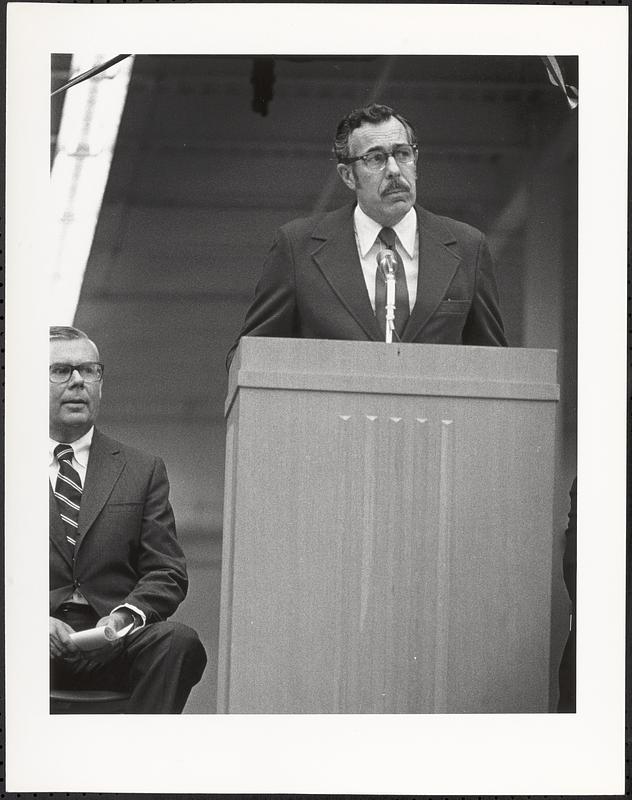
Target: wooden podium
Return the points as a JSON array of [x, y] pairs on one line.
[[387, 528]]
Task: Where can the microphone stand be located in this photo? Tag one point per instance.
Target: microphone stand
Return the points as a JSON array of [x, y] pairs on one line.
[[390, 303]]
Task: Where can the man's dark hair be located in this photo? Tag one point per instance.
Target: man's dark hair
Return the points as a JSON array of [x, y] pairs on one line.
[[372, 113], [66, 332]]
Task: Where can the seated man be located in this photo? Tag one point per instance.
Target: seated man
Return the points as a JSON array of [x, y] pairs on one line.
[[114, 556]]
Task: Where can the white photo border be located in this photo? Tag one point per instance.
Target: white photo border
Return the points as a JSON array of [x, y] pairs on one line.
[[580, 753]]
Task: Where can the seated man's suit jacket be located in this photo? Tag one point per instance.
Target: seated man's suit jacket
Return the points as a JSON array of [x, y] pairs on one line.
[[127, 551], [312, 285]]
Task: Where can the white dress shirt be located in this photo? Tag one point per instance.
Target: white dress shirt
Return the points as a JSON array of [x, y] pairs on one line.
[[81, 456], [407, 244]]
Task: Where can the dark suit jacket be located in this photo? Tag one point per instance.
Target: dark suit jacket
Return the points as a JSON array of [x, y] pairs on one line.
[[312, 285], [127, 551]]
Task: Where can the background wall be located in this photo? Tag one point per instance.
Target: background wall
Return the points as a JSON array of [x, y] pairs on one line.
[[214, 153]]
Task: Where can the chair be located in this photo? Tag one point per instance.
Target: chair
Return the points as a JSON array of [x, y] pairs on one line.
[[87, 701]]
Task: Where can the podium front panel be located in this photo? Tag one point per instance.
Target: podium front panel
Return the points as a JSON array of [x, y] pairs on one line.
[[387, 553]]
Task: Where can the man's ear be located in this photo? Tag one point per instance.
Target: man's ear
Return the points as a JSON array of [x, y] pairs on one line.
[[346, 173]]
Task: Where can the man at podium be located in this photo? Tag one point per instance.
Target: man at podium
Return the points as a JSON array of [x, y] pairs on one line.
[[324, 277], [383, 551]]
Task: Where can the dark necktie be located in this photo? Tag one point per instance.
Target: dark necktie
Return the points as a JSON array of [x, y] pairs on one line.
[[68, 492], [402, 308]]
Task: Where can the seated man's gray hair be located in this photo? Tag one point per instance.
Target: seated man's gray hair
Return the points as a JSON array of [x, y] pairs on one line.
[[66, 332]]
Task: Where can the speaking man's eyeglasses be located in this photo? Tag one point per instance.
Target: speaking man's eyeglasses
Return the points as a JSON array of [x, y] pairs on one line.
[[90, 371], [376, 159]]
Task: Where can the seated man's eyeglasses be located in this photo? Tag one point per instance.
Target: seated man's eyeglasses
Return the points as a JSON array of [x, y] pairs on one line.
[[90, 371], [376, 159]]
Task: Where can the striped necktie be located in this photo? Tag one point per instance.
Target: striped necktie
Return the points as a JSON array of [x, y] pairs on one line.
[[68, 492], [402, 306]]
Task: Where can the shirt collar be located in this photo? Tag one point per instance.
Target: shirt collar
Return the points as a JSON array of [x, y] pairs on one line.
[[406, 230], [81, 448], [367, 230]]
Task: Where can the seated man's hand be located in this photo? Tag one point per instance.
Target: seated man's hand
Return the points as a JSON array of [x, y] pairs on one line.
[[117, 620], [61, 646]]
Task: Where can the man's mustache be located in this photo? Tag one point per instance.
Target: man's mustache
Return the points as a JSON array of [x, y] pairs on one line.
[[396, 186]]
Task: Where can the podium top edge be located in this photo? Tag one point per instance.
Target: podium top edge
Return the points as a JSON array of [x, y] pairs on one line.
[[408, 362], [362, 357], [272, 343]]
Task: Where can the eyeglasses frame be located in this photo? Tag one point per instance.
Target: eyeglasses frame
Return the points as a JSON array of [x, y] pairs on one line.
[[388, 154], [73, 368]]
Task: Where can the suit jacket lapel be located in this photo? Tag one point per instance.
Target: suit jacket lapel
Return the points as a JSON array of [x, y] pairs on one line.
[[336, 255], [104, 467], [57, 529], [437, 265]]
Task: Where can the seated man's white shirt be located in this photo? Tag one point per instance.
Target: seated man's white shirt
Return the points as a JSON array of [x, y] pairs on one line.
[[81, 454]]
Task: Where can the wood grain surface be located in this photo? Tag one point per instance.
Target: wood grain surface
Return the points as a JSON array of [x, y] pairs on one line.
[[387, 551]]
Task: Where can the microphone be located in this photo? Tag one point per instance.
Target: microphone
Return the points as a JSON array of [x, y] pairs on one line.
[[387, 262]]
